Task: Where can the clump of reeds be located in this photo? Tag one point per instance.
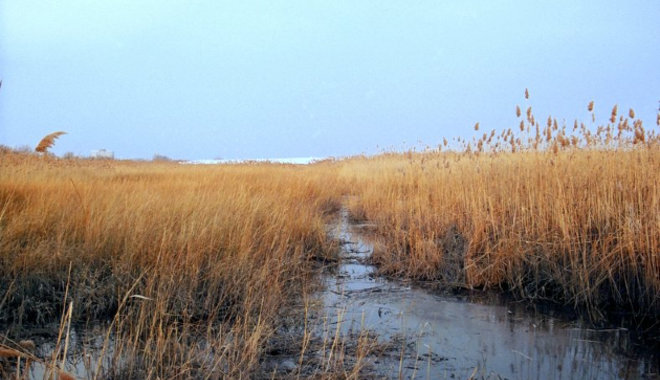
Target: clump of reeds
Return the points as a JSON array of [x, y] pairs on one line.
[[190, 265], [558, 213]]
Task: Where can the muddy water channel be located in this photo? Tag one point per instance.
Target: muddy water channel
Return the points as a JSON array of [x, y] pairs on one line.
[[443, 336]]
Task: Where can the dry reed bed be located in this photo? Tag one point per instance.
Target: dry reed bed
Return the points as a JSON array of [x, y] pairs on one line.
[[191, 264], [572, 218]]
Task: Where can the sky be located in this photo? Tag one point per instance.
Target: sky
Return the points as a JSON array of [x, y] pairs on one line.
[[201, 79]]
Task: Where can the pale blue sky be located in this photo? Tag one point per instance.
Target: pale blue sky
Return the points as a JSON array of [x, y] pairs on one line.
[[205, 79]]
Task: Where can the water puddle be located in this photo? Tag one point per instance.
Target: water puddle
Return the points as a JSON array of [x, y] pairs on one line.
[[445, 337], [87, 351]]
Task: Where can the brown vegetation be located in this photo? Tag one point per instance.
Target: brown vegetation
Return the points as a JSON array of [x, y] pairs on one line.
[[570, 216], [48, 141], [193, 266]]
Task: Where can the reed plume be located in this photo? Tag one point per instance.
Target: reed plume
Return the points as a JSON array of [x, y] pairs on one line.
[[48, 141], [614, 112]]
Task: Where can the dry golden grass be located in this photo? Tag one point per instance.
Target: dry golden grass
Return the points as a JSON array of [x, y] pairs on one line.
[[547, 214], [185, 260], [193, 265], [578, 227]]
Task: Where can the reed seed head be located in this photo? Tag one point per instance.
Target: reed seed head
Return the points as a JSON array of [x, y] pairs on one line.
[[48, 141]]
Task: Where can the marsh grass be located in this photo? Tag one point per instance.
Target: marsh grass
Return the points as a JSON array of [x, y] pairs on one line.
[[194, 268], [560, 214], [191, 264]]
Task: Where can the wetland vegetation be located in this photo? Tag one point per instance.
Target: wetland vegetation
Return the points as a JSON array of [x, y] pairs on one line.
[[195, 271]]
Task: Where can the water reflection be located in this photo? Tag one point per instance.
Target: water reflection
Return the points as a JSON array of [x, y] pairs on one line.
[[491, 339]]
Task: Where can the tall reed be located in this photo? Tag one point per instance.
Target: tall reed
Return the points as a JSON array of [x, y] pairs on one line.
[[570, 215], [192, 265]]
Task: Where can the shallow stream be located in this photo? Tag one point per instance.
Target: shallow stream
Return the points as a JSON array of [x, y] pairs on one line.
[[456, 337]]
